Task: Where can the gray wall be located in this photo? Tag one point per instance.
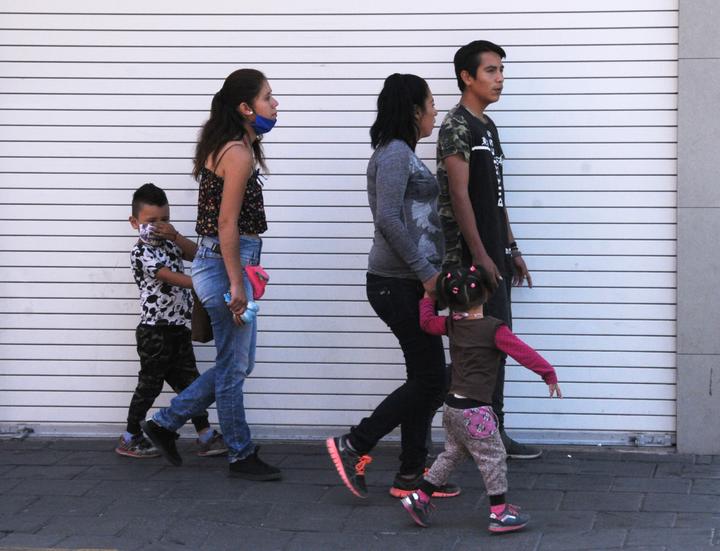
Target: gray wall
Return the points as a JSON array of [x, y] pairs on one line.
[[698, 429]]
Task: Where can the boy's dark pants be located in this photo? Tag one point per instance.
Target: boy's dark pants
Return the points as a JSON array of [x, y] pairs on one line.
[[166, 354]]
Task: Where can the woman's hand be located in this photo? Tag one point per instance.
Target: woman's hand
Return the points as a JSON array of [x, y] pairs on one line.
[[429, 285], [555, 390], [165, 230], [238, 301]]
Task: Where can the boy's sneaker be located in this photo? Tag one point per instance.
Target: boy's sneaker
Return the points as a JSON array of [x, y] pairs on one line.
[[214, 446], [418, 509], [163, 439], [516, 450], [349, 464], [254, 468], [139, 447], [509, 520], [404, 487]]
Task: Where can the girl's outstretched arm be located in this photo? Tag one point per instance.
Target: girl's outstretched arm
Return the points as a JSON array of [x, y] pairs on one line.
[[525, 355]]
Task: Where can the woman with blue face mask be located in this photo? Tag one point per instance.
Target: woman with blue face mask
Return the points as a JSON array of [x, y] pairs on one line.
[[230, 219]]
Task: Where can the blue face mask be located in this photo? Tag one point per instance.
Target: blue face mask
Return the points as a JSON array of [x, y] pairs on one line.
[[261, 125]]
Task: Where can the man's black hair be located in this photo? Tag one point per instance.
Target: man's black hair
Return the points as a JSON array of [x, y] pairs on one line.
[[467, 58]]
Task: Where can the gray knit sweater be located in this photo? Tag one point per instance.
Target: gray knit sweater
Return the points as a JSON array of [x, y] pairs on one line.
[[402, 192]]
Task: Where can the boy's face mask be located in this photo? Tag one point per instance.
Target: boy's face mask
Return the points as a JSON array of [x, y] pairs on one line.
[[147, 235]]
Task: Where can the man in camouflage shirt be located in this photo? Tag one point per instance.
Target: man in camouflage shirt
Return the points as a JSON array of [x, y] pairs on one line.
[[472, 196]]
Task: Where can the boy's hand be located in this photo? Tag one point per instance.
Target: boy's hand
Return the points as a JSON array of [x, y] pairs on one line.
[[555, 390], [165, 230]]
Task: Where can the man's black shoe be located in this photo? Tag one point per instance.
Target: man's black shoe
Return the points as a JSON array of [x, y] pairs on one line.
[[163, 439], [516, 450], [254, 468]]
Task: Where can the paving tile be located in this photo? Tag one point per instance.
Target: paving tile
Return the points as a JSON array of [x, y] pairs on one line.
[[140, 489], [573, 482], [372, 542], [31, 457], [565, 521], [52, 487], [705, 486], [15, 504], [83, 506], [79, 525], [232, 511], [22, 522], [23, 444], [698, 520], [28, 542], [264, 539], [82, 444], [129, 506], [632, 519], [675, 486], [690, 537], [527, 540], [679, 502], [131, 471], [32, 472], [277, 492], [601, 501], [153, 528], [689, 471], [589, 539], [317, 518], [624, 468], [7, 484], [104, 543]]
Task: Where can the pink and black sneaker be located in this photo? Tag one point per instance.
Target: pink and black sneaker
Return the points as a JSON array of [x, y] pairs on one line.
[[508, 520]]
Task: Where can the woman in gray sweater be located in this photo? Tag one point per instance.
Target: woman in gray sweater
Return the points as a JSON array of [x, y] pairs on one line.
[[404, 262]]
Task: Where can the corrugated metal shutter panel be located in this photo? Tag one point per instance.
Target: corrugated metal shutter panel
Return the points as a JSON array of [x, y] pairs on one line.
[[97, 100]]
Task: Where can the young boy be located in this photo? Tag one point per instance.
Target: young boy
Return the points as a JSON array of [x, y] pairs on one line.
[[163, 335]]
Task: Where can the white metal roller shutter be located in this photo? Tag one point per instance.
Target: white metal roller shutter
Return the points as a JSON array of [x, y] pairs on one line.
[[98, 98]]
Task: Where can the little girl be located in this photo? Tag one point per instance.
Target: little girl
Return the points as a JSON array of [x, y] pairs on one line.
[[477, 344]]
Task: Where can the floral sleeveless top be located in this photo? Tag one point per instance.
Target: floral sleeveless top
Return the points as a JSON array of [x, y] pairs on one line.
[[252, 213]]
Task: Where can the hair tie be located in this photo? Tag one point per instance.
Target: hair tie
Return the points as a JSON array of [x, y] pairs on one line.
[[472, 268], [455, 290], [472, 285], [448, 276]]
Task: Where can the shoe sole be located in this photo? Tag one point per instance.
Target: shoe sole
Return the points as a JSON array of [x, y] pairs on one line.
[[337, 461], [411, 511], [397, 492], [135, 456], [524, 456], [212, 453], [176, 461], [256, 477], [503, 529]]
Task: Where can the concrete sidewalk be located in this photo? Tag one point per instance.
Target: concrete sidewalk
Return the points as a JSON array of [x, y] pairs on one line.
[[77, 493]]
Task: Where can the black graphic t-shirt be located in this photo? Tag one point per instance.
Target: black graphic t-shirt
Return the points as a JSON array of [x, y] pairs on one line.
[[161, 303]]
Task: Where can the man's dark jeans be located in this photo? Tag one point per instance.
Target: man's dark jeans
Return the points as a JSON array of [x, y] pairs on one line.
[[395, 301], [500, 307]]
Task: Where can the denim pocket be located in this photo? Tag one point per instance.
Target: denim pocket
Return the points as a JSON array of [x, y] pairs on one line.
[[480, 422]]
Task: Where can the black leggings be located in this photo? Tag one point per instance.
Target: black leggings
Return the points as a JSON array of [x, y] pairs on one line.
[[412, 404]]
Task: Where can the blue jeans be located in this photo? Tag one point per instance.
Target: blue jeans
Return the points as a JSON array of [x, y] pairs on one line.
[[235, 346]]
